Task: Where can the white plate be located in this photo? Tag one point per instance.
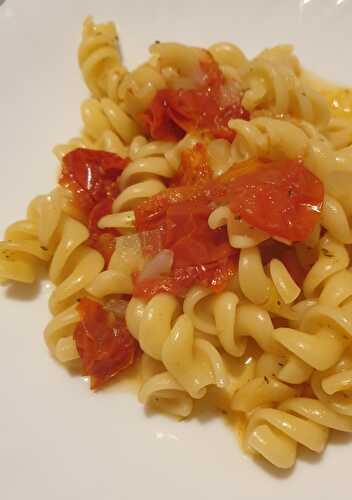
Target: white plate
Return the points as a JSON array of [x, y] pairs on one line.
[[59, 441]]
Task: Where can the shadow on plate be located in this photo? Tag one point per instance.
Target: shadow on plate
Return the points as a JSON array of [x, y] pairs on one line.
[[23, 291]]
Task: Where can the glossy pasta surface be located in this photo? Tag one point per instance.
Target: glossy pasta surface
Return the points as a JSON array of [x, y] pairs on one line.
[[165, 252]]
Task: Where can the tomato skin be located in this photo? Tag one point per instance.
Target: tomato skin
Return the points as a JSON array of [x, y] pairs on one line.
[[194, 167], [149, 213], [215, 276], [103, 342], [188, 235], [283, 199], [182, 221], [172, 113], [91, 176]]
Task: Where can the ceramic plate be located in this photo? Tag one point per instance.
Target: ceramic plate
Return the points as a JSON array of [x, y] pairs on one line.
[[58, 440]]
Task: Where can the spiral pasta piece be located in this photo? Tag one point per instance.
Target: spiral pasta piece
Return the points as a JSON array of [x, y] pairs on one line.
[[335, 220], [142, 178], [195, 363], [160, 390], [323, 335], [240, 234], [275, 433], [283, 365], [273, 86], [138, 88], [100, 117], [268, 137], [333, 257], [261, 391], [334, 386], [151, 323], [59, 334], [126, 260], [99, 59]]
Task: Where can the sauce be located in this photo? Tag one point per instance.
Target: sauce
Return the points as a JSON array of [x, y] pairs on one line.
[[338, 96]]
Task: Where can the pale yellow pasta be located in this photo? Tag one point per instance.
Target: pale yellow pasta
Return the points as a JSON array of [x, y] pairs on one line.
[[265, 136], [141, 178], [222, 315], [339, 132], [195, 363], [138, 88], [61, 327], [105, 115], [100, 59], [334, 386], [151, 323], [240, 234], [160, 390], [335, 220], [261, 391], [273, 87], [333, 257], [126, 260], [283, 282], [136, 193], [322, 337], [227, 54], [87, 264], [275, 433], [284, 366], [337, 289]]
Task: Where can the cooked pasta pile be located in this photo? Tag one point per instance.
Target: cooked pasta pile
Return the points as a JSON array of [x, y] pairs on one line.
[[202, 223]]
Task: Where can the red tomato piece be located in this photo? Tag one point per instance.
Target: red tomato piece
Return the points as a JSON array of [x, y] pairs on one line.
[[91, 176], [151, 213], [103, 342], [189, 236], [194, 167], [282, 198], [157, 121], [215, 276], [174, 112]]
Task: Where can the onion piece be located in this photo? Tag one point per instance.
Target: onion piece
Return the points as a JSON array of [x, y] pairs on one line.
[[160, 264], [117, 306]]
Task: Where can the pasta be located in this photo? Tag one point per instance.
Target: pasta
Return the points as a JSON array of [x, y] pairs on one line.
[[203, 219]]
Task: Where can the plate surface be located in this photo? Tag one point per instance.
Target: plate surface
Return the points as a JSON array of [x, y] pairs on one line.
[[58, 440]]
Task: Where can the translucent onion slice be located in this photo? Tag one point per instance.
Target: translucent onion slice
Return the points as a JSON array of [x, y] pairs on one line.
[[159, 265], [117, 306]]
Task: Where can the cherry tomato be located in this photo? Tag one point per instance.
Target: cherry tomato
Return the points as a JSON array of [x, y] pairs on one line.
[[282, 198], [104, 343], [215, 276], [194, 167], [207, 107], [91, 176], [188, 235]]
